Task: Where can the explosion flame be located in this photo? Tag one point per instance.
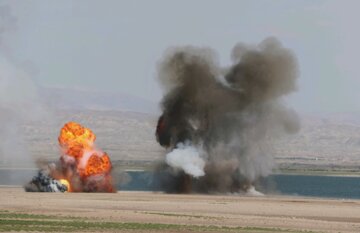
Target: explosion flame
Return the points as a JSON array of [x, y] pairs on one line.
[[74, 139], [66, 183], [82, 166], [77, 144]]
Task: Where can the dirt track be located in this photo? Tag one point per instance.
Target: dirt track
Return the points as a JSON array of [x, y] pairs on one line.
[[318, 215]]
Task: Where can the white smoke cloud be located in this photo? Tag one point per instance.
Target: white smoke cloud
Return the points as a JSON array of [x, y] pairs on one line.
[[253, 192], [187, 158], [19, 100]]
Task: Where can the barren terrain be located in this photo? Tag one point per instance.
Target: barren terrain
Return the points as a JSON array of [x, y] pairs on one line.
[[326, 144], [158, 212]]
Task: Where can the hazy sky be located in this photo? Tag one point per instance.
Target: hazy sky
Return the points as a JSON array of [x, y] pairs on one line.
[[114, 45]]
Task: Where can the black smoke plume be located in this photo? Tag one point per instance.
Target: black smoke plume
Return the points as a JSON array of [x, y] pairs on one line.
[[218, 123]]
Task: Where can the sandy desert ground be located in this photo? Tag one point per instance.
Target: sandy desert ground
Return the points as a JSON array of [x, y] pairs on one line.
[[158, 212]]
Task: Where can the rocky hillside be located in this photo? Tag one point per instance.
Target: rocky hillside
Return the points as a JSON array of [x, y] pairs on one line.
[[332, 141]]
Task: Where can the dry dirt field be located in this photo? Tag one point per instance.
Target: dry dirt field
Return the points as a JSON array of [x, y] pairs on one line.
[[158, 212]]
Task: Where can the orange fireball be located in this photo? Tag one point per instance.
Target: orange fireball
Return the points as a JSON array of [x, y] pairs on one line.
[[90, 168], [98, 165], [75, 139]]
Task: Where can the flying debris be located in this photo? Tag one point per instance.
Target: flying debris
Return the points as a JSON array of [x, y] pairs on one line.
[[218, 123]]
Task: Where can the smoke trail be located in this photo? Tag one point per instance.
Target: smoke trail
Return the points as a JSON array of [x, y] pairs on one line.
[[234, 113], [19, 102]]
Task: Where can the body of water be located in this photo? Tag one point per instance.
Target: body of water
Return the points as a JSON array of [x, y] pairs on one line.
[[341, 187]]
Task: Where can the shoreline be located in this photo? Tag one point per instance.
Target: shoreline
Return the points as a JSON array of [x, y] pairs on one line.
[[240, 195], [340, 173], [300, 173]]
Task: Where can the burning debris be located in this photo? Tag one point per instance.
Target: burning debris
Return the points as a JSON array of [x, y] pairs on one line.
[[218, 123], [81, 168]]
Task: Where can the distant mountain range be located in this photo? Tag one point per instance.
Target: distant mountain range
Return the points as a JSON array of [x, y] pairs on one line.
[[64, 98], [125, 127], [331, 140]]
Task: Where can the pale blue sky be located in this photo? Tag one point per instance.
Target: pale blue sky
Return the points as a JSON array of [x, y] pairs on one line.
[[114, 45]]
